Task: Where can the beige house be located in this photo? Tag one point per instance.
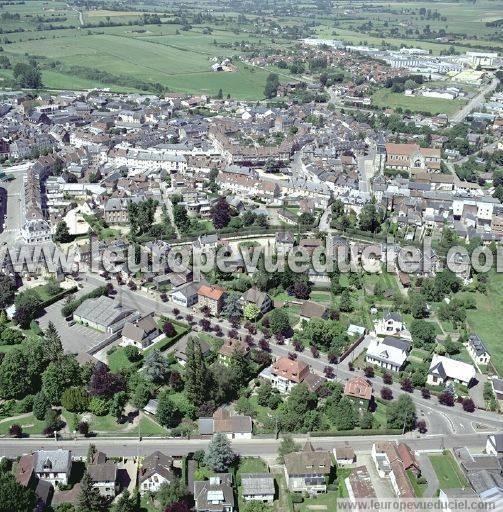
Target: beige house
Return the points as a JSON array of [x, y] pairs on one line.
[[211, 296], [308, 470]]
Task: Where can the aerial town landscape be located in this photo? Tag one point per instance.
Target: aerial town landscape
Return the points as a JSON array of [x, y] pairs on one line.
[[251, 255]]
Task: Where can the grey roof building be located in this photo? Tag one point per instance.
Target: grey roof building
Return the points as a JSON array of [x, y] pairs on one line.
[[215, 494], [104, 314], [257, 486], [53, 465]]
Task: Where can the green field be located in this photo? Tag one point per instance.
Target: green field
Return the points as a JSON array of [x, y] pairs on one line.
[[180, 62], [448, 472], [385, 98], [487, 320]]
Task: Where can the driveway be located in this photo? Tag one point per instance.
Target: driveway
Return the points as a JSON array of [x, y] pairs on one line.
[[76, 338], [429, 473], [477, 391]]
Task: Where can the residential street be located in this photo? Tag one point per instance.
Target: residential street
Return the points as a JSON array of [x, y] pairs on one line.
[[439, 419]]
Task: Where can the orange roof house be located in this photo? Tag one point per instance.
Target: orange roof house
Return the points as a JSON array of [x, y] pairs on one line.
[[295, 371], [358, 389]]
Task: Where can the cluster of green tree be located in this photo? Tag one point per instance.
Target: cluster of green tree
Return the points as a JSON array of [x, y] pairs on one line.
[[327, 335], [330, 78], [271, 86], [106, 77], [296, 284], [371, 217], [206, 386], [27, 75], [141, 217], [457, 139], [401, 83]]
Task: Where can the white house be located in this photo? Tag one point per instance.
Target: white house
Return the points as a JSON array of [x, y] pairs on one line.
[[494, 445], [155, 470], [53, 465], [234, 426], [388, 353], [140, 333], [104, 478], [391, 324], [477, 350], [186, 294], [443, 370]]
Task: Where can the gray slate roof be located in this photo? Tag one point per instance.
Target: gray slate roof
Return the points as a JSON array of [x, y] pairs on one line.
[[53, 461], [102, 310], [257, 483]]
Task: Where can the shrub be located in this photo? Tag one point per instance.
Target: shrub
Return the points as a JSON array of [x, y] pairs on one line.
[[99, 406], [386, 394], [468, 405], [75, 399], [132, 353], [297, 498], [15, 430], [83, 428]]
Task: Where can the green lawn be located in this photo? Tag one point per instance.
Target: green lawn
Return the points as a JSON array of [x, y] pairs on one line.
[[180, 62], [322, 502], [29, 424], [105, 424], [117, 360], [387, 99], [252, 465], [418, 488], [448, 472], [487, 320], [149, 428]]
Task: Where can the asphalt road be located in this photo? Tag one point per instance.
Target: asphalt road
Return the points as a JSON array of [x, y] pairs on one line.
[[13, 218], [474, 103], [255, 446]]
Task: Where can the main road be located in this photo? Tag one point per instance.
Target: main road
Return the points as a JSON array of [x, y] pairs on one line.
[[474, 103], [260, 447]]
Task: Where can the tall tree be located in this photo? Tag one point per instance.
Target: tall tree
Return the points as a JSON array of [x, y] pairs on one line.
[[172, 492], [52, 347], [7, 290], [156, 367], [89, 498], [221, 213], [167, 413], [195, 373], [14, 496], [402, 413], [58, 376], [127, 502], [62, 234], [219, 455]]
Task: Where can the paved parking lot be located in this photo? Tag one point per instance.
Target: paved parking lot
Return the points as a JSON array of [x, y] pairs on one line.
[[75, 338]]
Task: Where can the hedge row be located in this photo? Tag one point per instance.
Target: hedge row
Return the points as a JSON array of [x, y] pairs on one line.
[[360, 432], [70, 307], [58, 296]]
